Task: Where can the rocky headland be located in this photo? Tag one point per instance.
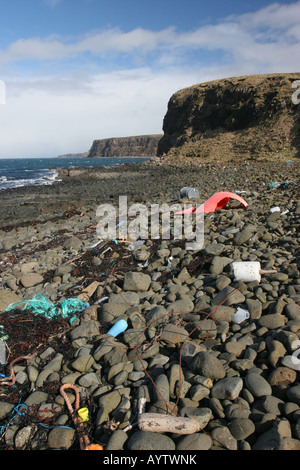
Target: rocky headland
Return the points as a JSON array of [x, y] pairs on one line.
[[134, 146], [252, 117]]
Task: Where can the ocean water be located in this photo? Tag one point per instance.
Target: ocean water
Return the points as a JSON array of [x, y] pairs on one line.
[[17, 172]]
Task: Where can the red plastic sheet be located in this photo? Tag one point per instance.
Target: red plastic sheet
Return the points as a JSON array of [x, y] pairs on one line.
[[215, 202]]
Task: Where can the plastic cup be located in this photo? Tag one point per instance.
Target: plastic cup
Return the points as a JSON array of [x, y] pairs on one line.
[[118, 328], [83, 414]]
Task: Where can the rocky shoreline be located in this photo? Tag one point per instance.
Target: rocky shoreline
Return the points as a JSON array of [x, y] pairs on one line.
[[182, 352]]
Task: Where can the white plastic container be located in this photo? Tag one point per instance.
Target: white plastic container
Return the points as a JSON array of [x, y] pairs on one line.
[[246, 271], [240, 315]]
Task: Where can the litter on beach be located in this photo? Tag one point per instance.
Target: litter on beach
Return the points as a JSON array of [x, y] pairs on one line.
[[249, 271]]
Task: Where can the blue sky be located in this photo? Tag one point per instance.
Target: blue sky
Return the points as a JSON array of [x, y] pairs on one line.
[[72, 71]]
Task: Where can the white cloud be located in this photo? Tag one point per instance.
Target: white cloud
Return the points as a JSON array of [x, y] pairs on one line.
[[276, 24], [43, 120]]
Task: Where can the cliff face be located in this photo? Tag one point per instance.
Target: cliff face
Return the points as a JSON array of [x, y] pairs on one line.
[[135, 146], [248, 117]]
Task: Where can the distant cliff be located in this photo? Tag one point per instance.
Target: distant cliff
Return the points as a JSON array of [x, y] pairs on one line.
[[135, 146], [241, 117]]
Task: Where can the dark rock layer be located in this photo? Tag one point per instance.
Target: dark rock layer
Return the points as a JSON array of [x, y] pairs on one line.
[[249, 117], [135, 146]]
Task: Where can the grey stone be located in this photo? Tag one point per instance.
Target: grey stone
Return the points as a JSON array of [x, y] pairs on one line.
[[117, 440], [214, 249], [198, 392], [61, 438], [222, 437], [73, 243], [231, 295], [257, 385], [218, 264], [254, 308], [205, 363], [272, 438], [292, 311], [173, 334], [228, 387], [87, 329], [136, 282], [31, 279], [162, 388], [202, 415], [6, 298], [243, 236], [36, 398], [293, 394], [24, 435], [83, 363], [181, 306], [5, 409], [196, 441], [272, 321], [241, 428]]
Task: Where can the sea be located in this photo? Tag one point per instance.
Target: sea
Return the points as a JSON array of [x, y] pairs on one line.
[[17, 172]]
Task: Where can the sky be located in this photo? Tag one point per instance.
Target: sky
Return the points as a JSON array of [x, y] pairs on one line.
[[72, 71]]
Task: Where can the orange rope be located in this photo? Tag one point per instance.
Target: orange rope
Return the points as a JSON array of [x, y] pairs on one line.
[[83, 439]]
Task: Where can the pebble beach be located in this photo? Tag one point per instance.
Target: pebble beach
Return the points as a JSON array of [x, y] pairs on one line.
[[183, 354]]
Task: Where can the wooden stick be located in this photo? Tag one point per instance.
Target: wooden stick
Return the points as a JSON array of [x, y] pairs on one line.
[[156, 422]]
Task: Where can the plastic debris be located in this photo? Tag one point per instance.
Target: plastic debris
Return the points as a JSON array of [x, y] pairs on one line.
[[227, 232], [278, 184], [249, 271], [190, 193], [118, 328], [40, 305], [136, 244], [240, 315], [275, 209], [156, 422], [215, 202], [83, 414], [85, 443]]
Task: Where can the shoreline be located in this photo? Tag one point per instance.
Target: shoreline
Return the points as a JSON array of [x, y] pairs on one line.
[[154, 181], [182, 349]]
